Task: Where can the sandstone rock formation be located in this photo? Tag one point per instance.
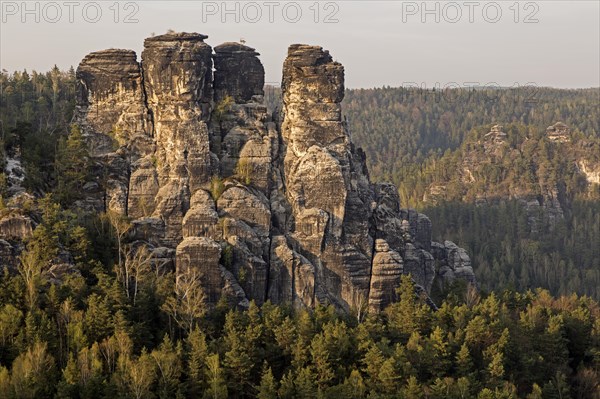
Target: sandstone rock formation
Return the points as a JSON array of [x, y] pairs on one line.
[[257, 207], [240, 73], [454, 263], [111, 104], [326, 184], [388, 267], [16, 227], [559, 132]]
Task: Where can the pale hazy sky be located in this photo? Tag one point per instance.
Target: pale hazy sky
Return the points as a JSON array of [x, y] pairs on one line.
[[379, 42]]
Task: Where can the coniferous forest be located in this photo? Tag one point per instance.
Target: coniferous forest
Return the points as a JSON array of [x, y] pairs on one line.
[[117, 328], [447, 136]]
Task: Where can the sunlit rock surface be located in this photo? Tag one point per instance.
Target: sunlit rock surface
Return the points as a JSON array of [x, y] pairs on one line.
[[256, 206]]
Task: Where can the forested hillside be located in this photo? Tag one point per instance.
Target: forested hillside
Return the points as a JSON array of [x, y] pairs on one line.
[[95, 327], [87, 339], [45, 100], [516, 196], [419, 140], [35, 112], [399, 128]]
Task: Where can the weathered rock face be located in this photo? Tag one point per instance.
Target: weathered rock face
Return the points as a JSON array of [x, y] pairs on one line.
[[178, 82], [494, 139], [8, 255], [111, 105], [292, 276], [115, 121], [14, 172], [242, 134], [201, 220], [246, 226], [15, 227], [455, 263], [326, 183], [253, 206], [143, 188], [198, 257], [388, 267], [559, 132], [240, 73], [590, 170]]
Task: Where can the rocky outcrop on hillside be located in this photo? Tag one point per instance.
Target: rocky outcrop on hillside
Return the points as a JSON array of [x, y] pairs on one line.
[[256, 206], [559, 132], [543, 171], [16, 228], [591, 170], [14, 173]]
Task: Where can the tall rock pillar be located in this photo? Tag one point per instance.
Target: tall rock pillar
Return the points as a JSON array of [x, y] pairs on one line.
[[326, 182], [178, 81]]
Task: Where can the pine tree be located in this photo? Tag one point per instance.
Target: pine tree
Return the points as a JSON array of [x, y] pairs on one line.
[[217, 386], [287, 390], [268, 386], [72, 164], [5, 387], [389, 377], [464, 363], [97, 319], [197, 350], [412, 389], [307, 383], [407, 315], [536, 392], [373, 361], [169, 368], [557, 387], [321, 361], [238, 360], [10, 323], [440, 354]]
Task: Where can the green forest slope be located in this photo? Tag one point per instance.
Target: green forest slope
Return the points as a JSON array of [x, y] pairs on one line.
[[93, 336]]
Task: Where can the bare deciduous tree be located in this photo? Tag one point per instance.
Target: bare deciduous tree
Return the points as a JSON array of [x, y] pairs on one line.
[[137, 265], [30, 269], [121, 226], [186, 306]]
